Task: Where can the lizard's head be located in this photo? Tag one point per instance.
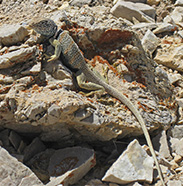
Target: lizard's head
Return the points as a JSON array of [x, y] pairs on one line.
[[44, 26]]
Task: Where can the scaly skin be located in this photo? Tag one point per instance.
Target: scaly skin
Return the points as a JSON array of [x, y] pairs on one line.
[[72, 57]]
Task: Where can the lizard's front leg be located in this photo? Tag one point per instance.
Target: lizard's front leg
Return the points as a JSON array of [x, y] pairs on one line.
[[83, 83], [57, 45]]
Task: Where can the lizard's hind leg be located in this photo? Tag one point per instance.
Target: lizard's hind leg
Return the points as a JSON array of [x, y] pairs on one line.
[[93, 87]]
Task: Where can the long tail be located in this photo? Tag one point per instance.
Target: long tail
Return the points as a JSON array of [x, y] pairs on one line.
[[115, 93]]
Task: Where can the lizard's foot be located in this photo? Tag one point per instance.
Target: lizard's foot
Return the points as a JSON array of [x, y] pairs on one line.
[[96, 93], [50, 58]]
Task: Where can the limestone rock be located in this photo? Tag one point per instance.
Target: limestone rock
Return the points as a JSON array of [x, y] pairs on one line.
[[129, 10], [150, 42], [69, 165], [12, 34], [177, 145], [177, 131], [133, 165], [161, 145], [165, 27], [173, 78], [15, 172], [79, 3], [18, 56], [170, 56], [174, 183], [179, 3], [176, 14]]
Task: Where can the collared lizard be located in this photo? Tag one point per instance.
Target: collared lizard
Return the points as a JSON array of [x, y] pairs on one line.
[[72, 57]]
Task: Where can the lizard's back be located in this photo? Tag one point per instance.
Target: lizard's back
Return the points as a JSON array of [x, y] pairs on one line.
[[71, 57]]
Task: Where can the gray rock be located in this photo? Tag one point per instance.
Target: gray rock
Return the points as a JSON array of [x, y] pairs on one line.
[[15, 139], [133, 165], [146, 9], [160, 144], [12, 34], [79, 3], [129, 10], [165, 27], [69, 165], [97, 182], [18, 56], [177, 145], [177, 131], [34, 148], [150, 42], [14, 172], [35, 69]]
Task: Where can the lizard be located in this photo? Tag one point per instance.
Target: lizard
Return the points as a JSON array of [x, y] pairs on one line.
[[72, 57]]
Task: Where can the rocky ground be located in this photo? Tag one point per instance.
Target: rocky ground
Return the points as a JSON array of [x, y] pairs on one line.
[[52, 134]]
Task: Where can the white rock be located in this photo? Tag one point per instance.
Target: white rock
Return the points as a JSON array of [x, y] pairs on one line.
[[177, 15], [173, 78], [133, 165], [12, 34], [145, 25], [69, 165], [179, 3], [15, 173], [150, 42], [129, 10]]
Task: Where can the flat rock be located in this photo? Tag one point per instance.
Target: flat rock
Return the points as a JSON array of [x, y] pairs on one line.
[[12, 34], [68, 165], [10, 59], [128, 10], [165, 27], [14, 172], [133, 165]]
